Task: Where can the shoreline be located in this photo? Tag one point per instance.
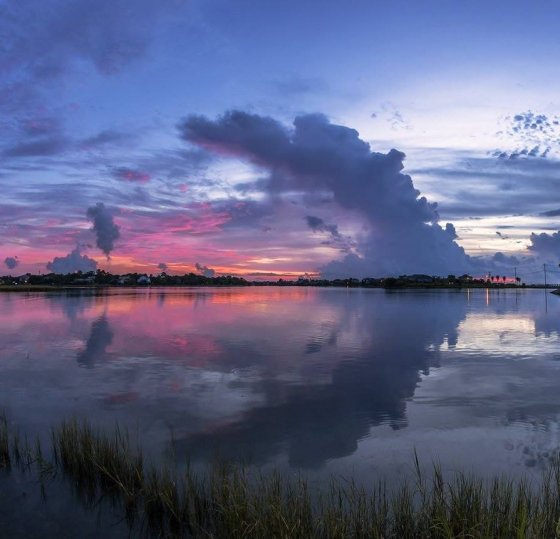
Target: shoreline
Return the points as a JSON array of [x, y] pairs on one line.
[[60, 288]]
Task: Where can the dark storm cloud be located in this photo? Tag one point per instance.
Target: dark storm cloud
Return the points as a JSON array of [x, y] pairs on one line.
[[11, 262], [322, 158], [205, 270], [72, 262], [162, 266], [106, 231]]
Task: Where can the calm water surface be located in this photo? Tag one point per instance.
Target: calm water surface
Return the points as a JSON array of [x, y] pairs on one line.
[[324, 380]]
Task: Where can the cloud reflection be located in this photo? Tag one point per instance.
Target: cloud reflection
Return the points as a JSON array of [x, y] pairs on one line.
[[317, 422], [100, 337]]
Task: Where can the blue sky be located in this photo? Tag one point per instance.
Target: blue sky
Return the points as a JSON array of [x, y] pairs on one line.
[[129, 105]]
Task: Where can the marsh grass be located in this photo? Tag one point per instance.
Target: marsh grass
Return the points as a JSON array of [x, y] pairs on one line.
[[229, 501]]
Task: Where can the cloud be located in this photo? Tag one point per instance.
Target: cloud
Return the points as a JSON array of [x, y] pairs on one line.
[[105, 138], [131, 175], [319, 158], [475, 186], [11, 262], [106, 231], [545, 244], [47, 38], [391, 115], [550, 213], [48, 45], [297, 85], [337, 239], [318, 225], [531, 134], [72, 262], [353, 398], [505, 260], [162, 266], [205, 270], [45, 146], [100, 337], [535, 151]]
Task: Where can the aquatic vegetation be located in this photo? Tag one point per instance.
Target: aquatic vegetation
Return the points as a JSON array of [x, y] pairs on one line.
[[5, 457], [229, 501]]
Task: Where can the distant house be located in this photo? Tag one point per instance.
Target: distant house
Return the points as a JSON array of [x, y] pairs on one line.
[[143, 279], [90, 279]]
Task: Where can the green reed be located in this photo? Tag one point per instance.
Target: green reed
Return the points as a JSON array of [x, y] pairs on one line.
[[229, 501]]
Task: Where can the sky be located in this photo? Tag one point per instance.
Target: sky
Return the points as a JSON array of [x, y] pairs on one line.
[[280, 138]]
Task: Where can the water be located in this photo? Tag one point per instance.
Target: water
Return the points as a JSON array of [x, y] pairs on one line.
[[343, 381]]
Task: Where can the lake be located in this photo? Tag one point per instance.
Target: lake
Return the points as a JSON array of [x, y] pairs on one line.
[[325, 381]]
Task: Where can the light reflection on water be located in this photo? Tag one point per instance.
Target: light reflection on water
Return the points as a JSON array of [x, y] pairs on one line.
[[326, 380]]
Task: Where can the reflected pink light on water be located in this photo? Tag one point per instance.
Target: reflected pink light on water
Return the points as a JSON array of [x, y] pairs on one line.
[[179, 326]]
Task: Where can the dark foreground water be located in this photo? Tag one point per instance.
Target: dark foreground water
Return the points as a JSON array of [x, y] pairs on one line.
[[327, 381]]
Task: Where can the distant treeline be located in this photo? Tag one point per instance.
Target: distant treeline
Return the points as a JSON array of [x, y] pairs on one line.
[[104, 278]]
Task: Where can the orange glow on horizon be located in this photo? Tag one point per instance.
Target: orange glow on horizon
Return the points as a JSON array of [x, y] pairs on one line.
[[127, 264]]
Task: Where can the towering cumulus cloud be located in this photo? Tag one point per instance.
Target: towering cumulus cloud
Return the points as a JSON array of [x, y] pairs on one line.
[[106, 231], [545, 245], [72, 262], [315, 158]]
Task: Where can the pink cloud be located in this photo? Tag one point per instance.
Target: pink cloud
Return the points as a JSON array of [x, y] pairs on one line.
[[200, 218], [131, 175]]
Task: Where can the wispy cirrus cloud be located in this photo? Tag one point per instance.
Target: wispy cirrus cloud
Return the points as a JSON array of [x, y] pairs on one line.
[[131, 175]]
